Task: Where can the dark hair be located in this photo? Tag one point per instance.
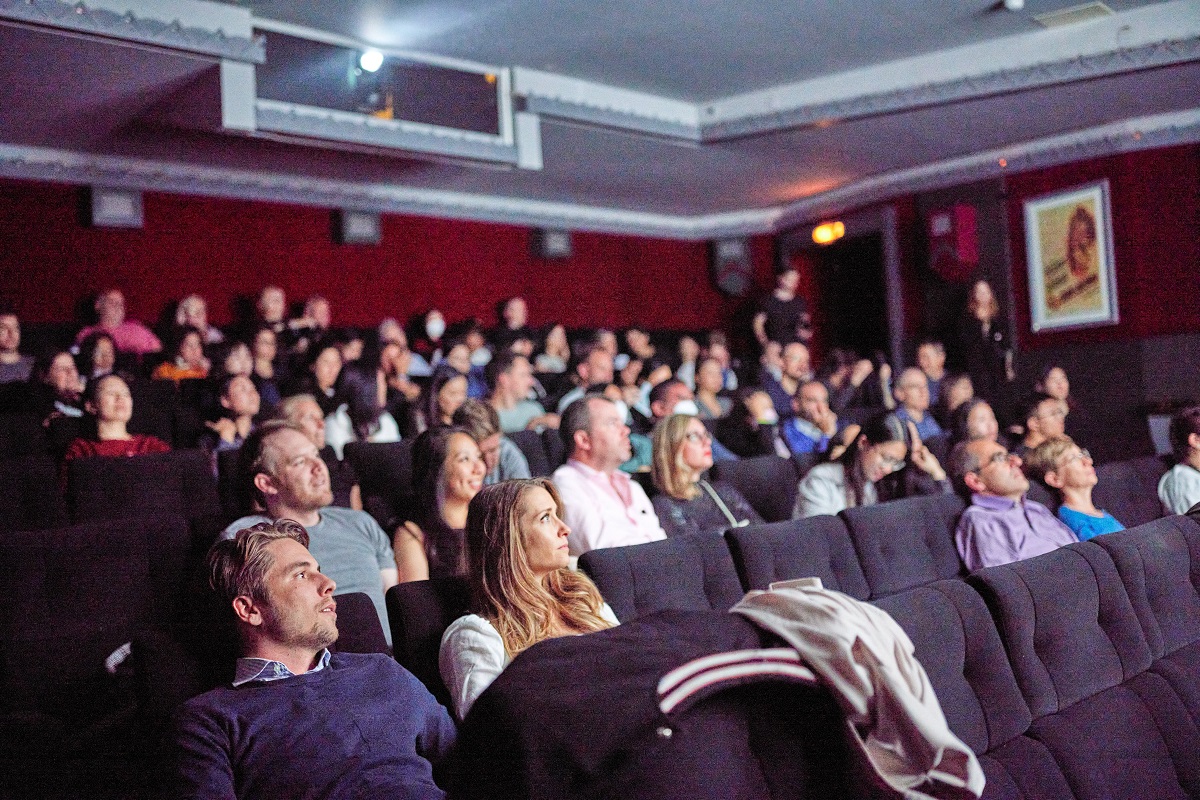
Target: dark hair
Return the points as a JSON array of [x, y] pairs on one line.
[[361, 391], [93, 386], [429, 459], [879, 429], [1030, 405], [238, 567], [252, 461], [443, 373], [960, 462], [181, 332], [87, 350], [500, 364], [958, 419], [1185, 422], [659, 392]]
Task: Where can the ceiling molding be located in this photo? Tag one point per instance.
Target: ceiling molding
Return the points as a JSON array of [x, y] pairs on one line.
[[79, 168], [213, 29]]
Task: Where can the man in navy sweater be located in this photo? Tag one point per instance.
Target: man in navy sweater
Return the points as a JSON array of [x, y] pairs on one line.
[[298, 721]]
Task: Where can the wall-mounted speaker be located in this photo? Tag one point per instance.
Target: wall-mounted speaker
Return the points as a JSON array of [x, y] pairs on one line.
[[954, 242], [551, 244], [110, 207], [356, 227], [731, 267]]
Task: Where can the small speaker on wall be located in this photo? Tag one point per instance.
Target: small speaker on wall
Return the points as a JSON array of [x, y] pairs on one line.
[[551, 244], [356, 227], [731, 267], [111, 207]]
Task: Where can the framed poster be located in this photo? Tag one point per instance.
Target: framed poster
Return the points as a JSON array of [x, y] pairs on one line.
[[1068, 245]]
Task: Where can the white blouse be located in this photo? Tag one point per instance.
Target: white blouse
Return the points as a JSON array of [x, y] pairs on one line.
[[472, 655]]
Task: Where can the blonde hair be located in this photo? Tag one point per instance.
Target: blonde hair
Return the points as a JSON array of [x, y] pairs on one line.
[[505, 590], [670, 474], [1044, 458]]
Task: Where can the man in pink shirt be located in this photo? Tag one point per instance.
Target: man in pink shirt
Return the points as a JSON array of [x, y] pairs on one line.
[[602, 506], [129, 335]]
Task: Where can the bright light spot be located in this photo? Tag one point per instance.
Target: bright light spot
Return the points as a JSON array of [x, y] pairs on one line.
[[828, 232], [371, 60]]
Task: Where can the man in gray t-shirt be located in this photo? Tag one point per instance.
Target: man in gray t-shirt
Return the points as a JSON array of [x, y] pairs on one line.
[[289, 478]]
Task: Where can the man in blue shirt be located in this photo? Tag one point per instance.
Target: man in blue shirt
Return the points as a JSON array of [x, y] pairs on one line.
[[813, 428], [297, 720], [912, 402]]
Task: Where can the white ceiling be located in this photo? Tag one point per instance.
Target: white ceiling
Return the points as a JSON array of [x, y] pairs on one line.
[[653, 118]]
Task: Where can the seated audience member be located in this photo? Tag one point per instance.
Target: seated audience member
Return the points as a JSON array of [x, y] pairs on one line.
[[752, 427], [284, 472], [639, 444], [60, 394], [302, 411], [709, 382], [238, 360], [448, 470], [129, 336], [392, 332], [912, 399], [271, 308], [689, 357], [687, 503], [1001, 525], [362, 417], [1053, 381], [97, 356], [240, 404], [503, 459], [1045, 418], [555, 353], [795, 369], [266, 373], [192, 312], [14, 367], [458, 355], [510, 381], [479, 352], [399, 394], [428, 343], [671, 396], [973, 421], [522, 589], [445, 392], [299, 721], [718, 348], [1179, 489], [873, 469], [604, 507], [188, 360], [931, 358], [814, 428], [593, 365], [351, 344], [313, 324], [1068, 470], [846, 376], [956, 389], [323, 367], [638, 344], [108, 400], [606, 340], [514, 318]]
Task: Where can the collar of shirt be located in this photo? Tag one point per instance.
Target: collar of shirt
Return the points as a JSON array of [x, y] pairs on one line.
[[993, 502], [264, 670], [809, 429], [617, 481]]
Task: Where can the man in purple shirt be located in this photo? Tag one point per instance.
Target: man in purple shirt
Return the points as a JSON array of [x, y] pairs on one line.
[[1000, 526]]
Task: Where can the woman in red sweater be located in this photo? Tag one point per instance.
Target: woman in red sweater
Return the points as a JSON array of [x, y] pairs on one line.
[[109, 401]]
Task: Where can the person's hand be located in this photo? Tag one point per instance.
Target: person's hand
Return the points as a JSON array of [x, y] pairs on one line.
[[543, 421], [827, 422], [885, 373], [862, 368], [921, 457], [225, 428]]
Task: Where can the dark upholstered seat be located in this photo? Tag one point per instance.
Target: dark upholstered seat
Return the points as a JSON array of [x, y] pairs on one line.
[[768, 483], [21, 434], [31, 498], [1129, 489], [906, 543], [179, 482], [556, 452], [813, 547], [686, 573], [532, 447], [419, 613], [385, 477]]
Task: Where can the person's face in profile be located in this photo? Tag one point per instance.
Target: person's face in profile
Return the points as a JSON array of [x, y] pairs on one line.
[[542, 532]]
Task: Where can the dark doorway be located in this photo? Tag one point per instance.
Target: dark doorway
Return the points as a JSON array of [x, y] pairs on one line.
[[852, 311]]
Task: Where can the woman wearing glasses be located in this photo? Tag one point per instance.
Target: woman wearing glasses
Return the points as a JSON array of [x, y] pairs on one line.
[[1068, 470], [886, 461], [686, 503]]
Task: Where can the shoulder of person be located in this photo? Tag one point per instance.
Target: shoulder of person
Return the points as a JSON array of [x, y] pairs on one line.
[[241, 523]]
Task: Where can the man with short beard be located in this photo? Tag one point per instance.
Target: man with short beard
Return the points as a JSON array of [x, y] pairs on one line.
[[290, 480], [299, 721]]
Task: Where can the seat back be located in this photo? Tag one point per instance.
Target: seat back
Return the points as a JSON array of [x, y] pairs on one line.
[[154, 405], [32, 498], [688, 573], [906, 543], [234, 498], [531, 445], [179, 482], [768, 483], [813, 547], [21, 434], [556, 452], [359, 629], [1129, 489], [419, 613], [385, 477]]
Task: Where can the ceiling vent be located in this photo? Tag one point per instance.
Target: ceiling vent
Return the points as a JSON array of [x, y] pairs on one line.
[[1073, 15]]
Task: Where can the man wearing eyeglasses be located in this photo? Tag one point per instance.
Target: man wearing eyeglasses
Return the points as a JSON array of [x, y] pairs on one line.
[[1000, 526]]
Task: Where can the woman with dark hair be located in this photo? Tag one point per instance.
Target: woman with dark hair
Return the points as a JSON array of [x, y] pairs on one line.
[[323, 367], [556, 352], [974, 420], [522, 589], [188, 359], [109, 403], [873, 469], [686, 502], [1179, 489], [446, 391], [60, 388], [97, 355], [956, 389], [985, 347], [448, 470], [362, 418], [266, 373]]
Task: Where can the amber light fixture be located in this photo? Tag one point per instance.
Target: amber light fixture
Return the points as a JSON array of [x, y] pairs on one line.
[[828, 232]]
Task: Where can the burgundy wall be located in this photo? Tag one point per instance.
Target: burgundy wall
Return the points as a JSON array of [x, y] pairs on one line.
[[1155, 199], [226, 248]]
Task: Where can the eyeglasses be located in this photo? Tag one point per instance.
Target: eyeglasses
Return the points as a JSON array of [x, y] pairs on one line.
[[892, 464], [998, 457], [1057, 411], [697, 438], [1081, 453]]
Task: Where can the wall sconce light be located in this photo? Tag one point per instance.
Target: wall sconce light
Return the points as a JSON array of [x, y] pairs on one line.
[[828, 232]]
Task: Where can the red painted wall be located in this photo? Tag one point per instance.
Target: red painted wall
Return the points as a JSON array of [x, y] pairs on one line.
[[1155, 199], [226, 248]]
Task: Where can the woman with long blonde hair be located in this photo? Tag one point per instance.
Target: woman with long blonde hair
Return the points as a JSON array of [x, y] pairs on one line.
[[522, 588]]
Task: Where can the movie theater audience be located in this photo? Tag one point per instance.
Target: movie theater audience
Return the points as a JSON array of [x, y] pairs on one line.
[[709, 383], [1045, 418], [446, 391], [14, 366], [97, 355], [109, 404], [522, 590], [503, 459], [60, 390], [129, 336], [187, 358], [240, 403], [302, 411], [687, 502], [1179, 489], [1069, 471], [192, 312]]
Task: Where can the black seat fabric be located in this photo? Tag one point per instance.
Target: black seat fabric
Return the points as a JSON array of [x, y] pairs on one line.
[[769, 484], [359, 629], [531, 446], [906, 543], [687, 573], [1129, 489], [32, 496], [179, 482], [954, 639], [813, 547], [21, 434], [385, 479], [556, 452], [419, 613]]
